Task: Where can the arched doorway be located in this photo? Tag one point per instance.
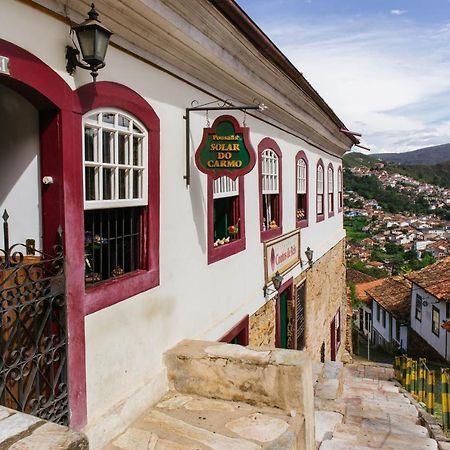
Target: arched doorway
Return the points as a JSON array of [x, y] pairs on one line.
[[33, 318]]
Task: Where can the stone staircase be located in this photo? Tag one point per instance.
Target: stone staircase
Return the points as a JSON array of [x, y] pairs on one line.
[[358, 408]]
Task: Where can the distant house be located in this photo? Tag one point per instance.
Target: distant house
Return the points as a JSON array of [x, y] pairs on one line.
[[430, 305], [391, 302], [365, 312]]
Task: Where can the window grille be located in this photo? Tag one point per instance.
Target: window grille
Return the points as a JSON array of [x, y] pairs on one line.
[[340, 188], [225, 187], [270, 180], [115, 160], [330, 189], [301, 176], [319, 189]]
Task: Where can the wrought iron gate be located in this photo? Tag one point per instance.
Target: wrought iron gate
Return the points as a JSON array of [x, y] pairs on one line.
[[33, 364]]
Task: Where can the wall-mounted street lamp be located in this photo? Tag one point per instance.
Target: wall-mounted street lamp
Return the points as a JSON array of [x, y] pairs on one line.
[[93, 39], [277, 279], [309, 256]]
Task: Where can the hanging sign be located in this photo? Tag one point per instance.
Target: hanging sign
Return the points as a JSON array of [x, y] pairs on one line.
[[225, 149]]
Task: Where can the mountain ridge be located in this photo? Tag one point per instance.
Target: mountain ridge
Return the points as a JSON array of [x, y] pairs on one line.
[[423, 156]]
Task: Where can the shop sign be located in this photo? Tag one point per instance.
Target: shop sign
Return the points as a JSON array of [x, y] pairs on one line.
[[4, 65], [281, 254], [225, 149]]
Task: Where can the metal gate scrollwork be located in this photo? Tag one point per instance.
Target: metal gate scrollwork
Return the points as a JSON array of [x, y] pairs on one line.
[[33, 364]]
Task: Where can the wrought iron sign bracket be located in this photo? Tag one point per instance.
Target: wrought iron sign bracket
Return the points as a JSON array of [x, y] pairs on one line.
[[186, 117]]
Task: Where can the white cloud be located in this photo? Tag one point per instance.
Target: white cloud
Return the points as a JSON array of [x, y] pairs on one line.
[[398, 12], [392, 84]]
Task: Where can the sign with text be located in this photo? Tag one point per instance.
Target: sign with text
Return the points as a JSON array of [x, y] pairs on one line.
[[225, 149], [281, 254]]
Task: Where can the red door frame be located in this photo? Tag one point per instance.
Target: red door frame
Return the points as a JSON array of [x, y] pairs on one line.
[[286, 286], [333, 339]]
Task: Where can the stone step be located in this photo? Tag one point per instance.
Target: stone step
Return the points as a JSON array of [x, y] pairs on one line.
[[326, 422], [317, 368], [329, 384]]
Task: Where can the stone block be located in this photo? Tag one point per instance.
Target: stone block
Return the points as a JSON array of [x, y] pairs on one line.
[[51, 436], [326, 422], [16, 426]]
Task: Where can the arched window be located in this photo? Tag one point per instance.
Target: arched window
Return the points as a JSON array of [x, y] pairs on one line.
[[319, 191], [301, 172], [226, 230], [270, 188], [330, 191], [340, 184], [115, 151]]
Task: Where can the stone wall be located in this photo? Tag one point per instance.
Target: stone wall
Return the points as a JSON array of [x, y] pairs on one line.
[[277, 378], [325, 294], [262, 323], [20, 431]]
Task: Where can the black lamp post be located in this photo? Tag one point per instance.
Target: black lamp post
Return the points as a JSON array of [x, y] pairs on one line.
[[309, 256], [277, 279], [93, 39]]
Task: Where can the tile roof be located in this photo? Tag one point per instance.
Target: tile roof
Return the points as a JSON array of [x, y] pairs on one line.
[[434, 279], [394, 295], [362, 288], [355, 276]]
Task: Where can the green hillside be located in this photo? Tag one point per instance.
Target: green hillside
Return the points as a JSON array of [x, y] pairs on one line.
[[354, 159]]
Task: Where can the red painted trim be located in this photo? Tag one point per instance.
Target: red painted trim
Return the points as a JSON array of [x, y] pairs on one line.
[[105, 94], [287, 285], [340, 191], [233, 174], [49, 93], [320, 217], [302, 223], [240, 327], [269, 143], [224, 251], [332, 204]]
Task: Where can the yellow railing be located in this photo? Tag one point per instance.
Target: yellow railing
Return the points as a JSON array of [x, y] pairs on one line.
[[445, 381], [418, 379]]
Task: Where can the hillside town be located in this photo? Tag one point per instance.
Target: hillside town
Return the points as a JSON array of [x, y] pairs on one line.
[[421, 234]]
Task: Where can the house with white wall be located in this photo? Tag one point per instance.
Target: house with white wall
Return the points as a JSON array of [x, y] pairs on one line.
[[390, 313], [430, 306], [146, 249]]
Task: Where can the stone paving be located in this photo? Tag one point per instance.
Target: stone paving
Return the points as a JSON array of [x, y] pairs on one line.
[[190, 422], [367, 412]]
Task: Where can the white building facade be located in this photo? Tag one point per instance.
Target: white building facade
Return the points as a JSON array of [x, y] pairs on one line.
[[143, 266]]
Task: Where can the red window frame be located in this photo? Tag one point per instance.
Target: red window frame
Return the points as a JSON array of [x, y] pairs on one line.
[[320, 216], [239, 331], [330, 195], [224, 251], [303, 223], [113, 95], [340, 182], [269, 143]]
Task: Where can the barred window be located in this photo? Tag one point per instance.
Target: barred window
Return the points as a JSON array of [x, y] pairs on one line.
[[302, 194], [435, 320], [340, 189], [226, 210], [270, 189], [115, 193], [320, 189]]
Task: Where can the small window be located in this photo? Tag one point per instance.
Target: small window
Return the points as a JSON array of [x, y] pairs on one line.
[[447, 310], [418, 314], [397, 330], [270, 189], [340, 189], [330, 191], [226, 211], [384, 318], [320, 192], [115, 194], [226, 226], [302, 190], [378, 312], [435, 321]]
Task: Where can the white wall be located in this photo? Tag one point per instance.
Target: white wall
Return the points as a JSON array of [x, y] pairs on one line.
[[125, 342], [423, 328], [19, 167]]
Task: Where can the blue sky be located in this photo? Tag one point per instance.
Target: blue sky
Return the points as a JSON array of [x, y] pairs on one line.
[[382, 65]]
